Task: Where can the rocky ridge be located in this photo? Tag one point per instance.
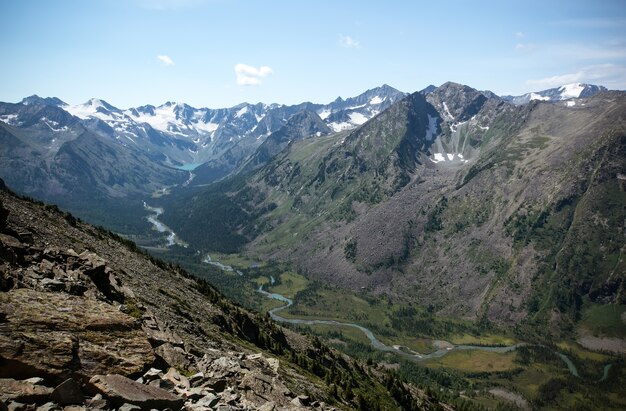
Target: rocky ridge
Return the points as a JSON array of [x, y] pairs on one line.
[[87, 322]]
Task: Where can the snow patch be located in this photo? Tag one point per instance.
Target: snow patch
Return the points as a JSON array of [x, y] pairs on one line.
[[337, 127], [241, 112], [53, 125], [90, 109], [570, 103], [445, 157], [163, 118], [208, 127], [535, 96], [324, 114], [355, 107], [454, 127], [9, 119], [357, 118], [445, 107], [571, 90], [377, 100]]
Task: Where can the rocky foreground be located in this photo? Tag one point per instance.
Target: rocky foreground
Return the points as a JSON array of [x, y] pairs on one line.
[[88, 322]]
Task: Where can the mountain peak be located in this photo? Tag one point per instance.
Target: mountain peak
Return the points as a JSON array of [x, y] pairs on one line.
[[564, 92], [43, 101], [99, 104], [428, 89], [451, 85], [457, 102], [387, 89], [301, 125]]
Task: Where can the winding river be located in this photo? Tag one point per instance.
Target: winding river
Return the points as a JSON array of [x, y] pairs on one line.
[[376, 343], [172, 238], [415, 356], [223, 267]]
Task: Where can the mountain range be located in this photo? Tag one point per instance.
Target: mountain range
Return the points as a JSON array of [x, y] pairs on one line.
[[429, 220], [94, 156], [455, 198], [565, 92]]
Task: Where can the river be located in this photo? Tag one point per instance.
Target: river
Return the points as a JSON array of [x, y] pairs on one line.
[[415, 356], [172, 238], [376, 343], [223, 267]]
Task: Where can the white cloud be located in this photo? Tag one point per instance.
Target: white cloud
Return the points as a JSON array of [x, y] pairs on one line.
[[609, 75], [166, 60], [250, 75], [349, 42], [519, 35]]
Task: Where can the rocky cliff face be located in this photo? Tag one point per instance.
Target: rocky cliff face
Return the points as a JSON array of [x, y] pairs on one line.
[[86, 320]]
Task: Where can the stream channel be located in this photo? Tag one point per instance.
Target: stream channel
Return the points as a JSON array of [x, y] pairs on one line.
[[172, 238], [415, 356]]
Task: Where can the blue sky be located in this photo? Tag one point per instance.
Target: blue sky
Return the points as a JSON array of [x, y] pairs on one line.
[[217, 53]]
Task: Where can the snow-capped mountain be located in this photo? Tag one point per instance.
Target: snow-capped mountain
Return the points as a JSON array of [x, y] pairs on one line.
[[565, 92], [48, 101], [177, 133], [350, 113], [154, 141]]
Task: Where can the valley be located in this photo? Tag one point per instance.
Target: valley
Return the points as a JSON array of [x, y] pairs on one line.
[[461, 356], [312, 206], [472, 245]]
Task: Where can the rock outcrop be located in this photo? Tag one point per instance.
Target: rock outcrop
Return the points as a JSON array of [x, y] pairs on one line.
[[121, 390], [56, 334]]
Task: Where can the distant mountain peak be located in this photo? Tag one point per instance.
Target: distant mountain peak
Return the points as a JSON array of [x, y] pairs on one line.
[[428, 89], [97, 104], [43, 101], [564, 92], [456, 86], [387, 88]]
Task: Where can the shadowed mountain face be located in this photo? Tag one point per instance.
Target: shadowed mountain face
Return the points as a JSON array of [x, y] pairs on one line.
[[456, 199]]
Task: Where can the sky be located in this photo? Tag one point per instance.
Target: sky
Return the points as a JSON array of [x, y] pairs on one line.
[[218, 53]]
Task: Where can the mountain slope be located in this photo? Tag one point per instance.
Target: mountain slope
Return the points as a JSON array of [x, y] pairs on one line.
[[299, 126], [90, 304], [483, 234], [325, 176]]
